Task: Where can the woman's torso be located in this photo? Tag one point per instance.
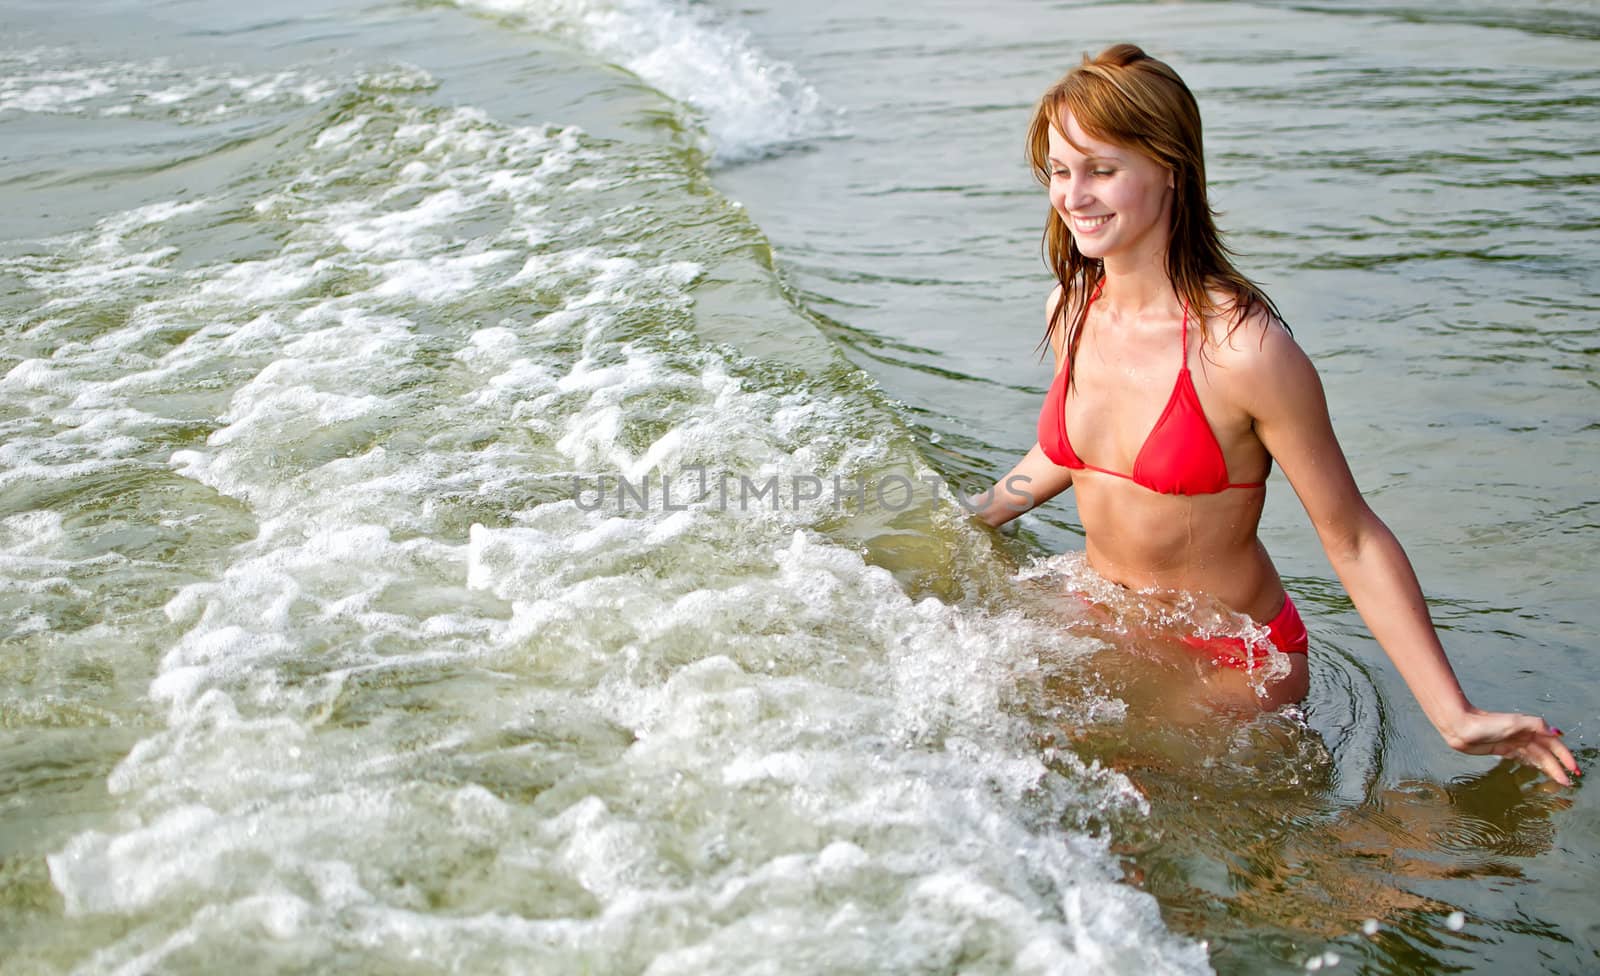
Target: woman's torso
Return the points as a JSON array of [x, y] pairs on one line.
[[1124, 374]]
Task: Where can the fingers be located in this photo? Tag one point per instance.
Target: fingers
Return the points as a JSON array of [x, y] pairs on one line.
[[1564, 754], [1555, 758], [1542, 755], [1529, 739], [1530, 725], [1550, 756]]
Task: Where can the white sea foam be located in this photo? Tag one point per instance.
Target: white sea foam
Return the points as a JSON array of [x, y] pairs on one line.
[[432, 707], [1165, 611], [32, 571], [752, 104], [55, 82]]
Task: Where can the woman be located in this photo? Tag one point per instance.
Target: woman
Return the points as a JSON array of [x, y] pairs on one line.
[[1179, 386]]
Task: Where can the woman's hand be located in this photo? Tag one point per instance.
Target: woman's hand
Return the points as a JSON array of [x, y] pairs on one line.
[[1282, 394], [1515, 736]]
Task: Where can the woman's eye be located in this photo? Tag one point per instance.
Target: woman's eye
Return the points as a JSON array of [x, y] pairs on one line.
[[1104, 172]]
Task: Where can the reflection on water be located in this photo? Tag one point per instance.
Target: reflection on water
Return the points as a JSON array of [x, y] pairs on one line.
[[1256, 853], [1265, 838]]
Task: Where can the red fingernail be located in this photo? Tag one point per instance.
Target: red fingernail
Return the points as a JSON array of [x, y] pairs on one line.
[[1554, 730]]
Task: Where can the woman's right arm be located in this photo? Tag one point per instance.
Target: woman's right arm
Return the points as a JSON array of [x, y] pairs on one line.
[[1036, 479]]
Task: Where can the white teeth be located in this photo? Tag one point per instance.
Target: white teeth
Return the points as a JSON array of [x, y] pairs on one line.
[[1091, 223]]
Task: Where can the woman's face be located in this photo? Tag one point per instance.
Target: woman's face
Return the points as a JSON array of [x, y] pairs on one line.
[[1113, 200]]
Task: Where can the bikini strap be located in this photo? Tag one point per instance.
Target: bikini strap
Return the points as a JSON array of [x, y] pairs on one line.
[[1183, 350]]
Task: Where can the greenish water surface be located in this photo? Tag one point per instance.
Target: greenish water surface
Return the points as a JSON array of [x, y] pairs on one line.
[[314, 320]]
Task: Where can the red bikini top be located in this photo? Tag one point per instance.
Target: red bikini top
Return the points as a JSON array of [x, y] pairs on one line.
[[1180, 456]]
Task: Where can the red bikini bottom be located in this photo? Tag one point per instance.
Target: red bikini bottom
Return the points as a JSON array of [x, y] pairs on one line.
[[1286, 631]]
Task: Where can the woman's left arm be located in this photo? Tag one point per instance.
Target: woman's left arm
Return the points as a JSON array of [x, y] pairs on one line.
[[1281, 391]]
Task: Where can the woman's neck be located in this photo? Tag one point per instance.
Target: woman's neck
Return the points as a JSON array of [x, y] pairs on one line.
[[1136, 282], [1134, 289]]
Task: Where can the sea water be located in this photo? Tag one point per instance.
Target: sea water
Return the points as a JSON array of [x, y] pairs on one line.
[[328, 648]]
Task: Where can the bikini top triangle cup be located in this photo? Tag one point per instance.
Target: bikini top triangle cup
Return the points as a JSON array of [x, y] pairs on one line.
[[1180, 455]]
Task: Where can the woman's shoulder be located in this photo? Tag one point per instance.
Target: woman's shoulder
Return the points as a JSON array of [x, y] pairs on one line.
[[1058, 320], [1245, 333], [1259, 358]]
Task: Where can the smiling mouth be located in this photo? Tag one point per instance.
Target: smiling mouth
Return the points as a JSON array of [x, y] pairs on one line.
[[1091, 223]]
